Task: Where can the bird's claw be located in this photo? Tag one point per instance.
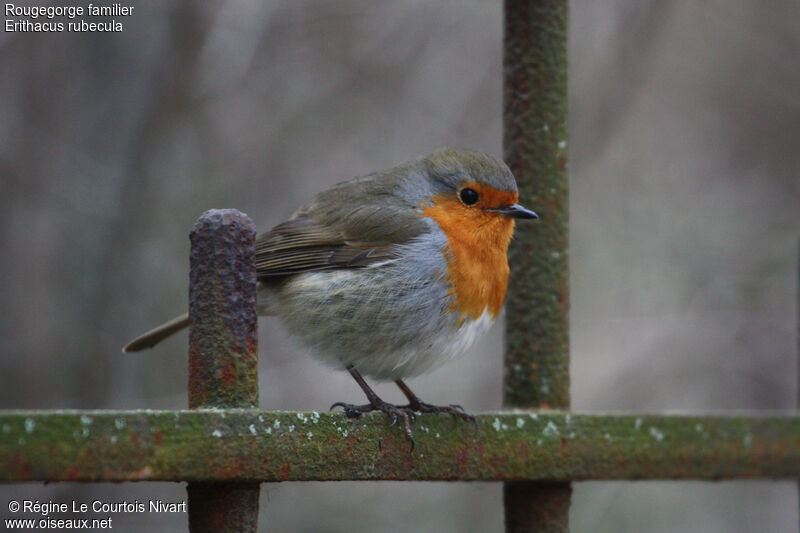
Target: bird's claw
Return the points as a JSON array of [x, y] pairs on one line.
[[394, 412], [459, 411], [350, 410], [407, 412], [453, 409]]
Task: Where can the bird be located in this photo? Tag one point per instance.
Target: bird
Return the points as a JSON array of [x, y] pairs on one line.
[[391, 274]]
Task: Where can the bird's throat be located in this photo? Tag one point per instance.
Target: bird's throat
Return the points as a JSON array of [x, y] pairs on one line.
[[477, 264]]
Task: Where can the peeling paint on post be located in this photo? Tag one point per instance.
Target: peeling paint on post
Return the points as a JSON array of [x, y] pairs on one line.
[[535, 140], [223, 352]]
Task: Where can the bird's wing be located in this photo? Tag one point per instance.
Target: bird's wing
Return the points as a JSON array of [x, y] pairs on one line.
[[301, 245], [352, 225]]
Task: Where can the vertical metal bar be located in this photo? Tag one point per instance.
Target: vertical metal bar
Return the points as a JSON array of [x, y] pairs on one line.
[[223, 352], [797, 288], [535, 140], [541, 507]]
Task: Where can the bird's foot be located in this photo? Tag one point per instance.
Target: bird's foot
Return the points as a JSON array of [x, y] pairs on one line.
[[456, 410], [392, 411]]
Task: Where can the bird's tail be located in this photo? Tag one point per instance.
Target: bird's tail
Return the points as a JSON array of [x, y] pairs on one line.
[[154, 336]]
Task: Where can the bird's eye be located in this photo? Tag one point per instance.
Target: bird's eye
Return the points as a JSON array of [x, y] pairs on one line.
[[468, 196]]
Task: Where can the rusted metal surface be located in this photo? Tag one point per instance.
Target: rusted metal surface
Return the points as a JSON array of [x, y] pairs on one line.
[[537, 308], [223, 352], [535, 115], [551, 513], [229, 507], [248, 445], [223, 346]]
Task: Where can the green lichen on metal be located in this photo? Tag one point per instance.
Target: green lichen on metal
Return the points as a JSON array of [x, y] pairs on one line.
[[223, 347], [223, 358], [252, 445], [537, 308], [535, 140]]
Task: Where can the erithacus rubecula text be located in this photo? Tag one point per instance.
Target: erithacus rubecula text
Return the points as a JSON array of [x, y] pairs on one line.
[[390, 275]]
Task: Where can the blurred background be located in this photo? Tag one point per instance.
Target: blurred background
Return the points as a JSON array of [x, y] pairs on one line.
[[685, 219]]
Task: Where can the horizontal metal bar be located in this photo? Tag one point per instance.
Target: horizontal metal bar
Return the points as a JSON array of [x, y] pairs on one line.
[[253, 445]]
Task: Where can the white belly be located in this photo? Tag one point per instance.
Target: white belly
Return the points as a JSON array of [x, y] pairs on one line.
[[425, 357], [384, 336]]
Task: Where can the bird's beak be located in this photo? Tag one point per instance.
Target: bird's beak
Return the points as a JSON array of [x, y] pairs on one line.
[[515, 211]]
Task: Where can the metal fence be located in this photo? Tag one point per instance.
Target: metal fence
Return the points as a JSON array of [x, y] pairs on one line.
[[224, 446]]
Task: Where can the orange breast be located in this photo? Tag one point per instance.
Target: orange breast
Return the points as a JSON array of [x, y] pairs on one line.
[[477, 262]]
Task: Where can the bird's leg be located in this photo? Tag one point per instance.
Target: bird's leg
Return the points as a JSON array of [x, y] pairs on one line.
[[376, 404], [418, 405]]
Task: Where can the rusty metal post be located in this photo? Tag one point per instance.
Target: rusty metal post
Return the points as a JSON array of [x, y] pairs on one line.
[[223, 352], [535, 142]]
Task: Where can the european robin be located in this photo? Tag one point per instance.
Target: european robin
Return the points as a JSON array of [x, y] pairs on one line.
[[391, 274]]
